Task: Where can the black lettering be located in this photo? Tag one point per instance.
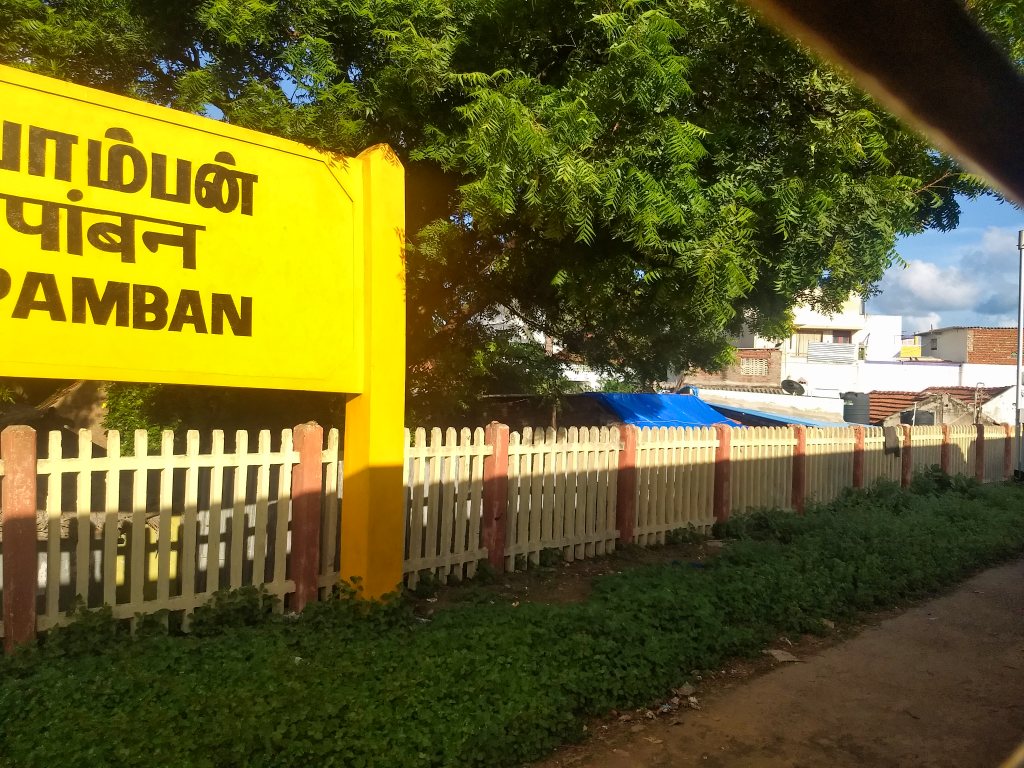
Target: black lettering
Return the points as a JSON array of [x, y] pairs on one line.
[[119, 156], [10, 148], [5, 283], [50, 301], [62, 143], [87, 301], [189, 309], [183, 181], [149, 300], [222, 188], [240, 320]]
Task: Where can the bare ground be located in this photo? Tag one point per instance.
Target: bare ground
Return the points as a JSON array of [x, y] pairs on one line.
[[939, 685]]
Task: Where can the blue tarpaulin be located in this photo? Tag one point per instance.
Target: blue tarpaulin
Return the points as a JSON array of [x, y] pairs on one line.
[[662, 410]]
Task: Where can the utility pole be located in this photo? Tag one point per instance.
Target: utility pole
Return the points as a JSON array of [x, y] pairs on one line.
[[1019, 473]]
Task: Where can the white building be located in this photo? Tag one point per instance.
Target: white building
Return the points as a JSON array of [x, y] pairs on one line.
[[850, 334], [853, 351], [829, 354]]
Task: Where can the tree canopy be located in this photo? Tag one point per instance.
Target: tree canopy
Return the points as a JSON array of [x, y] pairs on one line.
[[635, 178]]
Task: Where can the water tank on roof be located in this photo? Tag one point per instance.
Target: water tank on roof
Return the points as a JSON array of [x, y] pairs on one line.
[[856, 407]]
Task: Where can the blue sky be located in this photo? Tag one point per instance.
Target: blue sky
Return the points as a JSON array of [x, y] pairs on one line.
[[964, 277]]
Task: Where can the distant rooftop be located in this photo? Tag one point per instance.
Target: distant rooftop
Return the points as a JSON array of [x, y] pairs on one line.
[[884, 403], [968, 328]]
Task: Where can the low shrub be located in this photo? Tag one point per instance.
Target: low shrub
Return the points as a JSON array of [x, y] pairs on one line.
[[481, 684]]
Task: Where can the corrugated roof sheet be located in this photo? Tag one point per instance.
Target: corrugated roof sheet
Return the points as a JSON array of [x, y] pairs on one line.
[[754, 418], [765, 389]]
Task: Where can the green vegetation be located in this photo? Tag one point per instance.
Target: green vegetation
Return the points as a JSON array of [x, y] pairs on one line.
[[156, 407], [631, 177], [348, 684]]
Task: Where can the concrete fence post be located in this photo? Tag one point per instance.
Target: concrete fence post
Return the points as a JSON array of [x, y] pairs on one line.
[[1008, 452], [945, 456], [907, 457], [723, 473], [18, 513], [495, 500], [979, 454], [625, 501], [858, 456], [799, 489], [307, 498]]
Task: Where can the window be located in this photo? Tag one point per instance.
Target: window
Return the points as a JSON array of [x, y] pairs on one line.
[[805, 337], [933, 343], [842, 337], [753, 367]]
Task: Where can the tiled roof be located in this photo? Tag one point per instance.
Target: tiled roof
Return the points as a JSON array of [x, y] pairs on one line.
[[967, 393], [883, 404]]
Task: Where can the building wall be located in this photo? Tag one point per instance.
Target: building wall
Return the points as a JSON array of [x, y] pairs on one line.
[[829, 379], [973, 375], [850, 316], [882, 337], [908, 376], [822, 379], [992, 346], [1002, 408], [753, 366], [950, 344]]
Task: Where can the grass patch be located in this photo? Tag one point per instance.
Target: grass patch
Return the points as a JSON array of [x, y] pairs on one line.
[[482, 685]]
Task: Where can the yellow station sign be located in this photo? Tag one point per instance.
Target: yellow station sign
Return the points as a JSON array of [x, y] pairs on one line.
[[138, 243], [144, 244]]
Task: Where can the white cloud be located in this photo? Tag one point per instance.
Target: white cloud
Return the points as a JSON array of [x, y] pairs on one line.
[[918, 323], [976, 285], [923, 287]]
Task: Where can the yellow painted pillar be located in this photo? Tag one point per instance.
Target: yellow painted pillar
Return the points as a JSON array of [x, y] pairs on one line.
[[373, 495]]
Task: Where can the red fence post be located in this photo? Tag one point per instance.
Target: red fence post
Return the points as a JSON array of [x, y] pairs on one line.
[[945, 455], [907, 457], [979, 454], [18, 511], [799, 490], [625, 502], [858, 456], [1008, 452], [495, 501], [307, 498], [723, 472]]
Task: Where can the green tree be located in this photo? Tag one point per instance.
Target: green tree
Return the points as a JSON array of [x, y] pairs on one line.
[[634, 178]]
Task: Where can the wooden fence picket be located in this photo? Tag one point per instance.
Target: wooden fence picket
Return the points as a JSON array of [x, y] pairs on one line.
[[190, 521]]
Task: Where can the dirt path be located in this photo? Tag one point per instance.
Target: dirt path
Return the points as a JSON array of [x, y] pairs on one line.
[[939, 685]]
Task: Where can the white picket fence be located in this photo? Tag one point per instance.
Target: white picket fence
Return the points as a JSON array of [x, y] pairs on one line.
[[445, 501], [145, 531], [675, 481], [762, 467], [829, 462], [880, 464], [561, 493]]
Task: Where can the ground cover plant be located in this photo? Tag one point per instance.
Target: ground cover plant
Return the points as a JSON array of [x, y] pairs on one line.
[[482, 684]]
